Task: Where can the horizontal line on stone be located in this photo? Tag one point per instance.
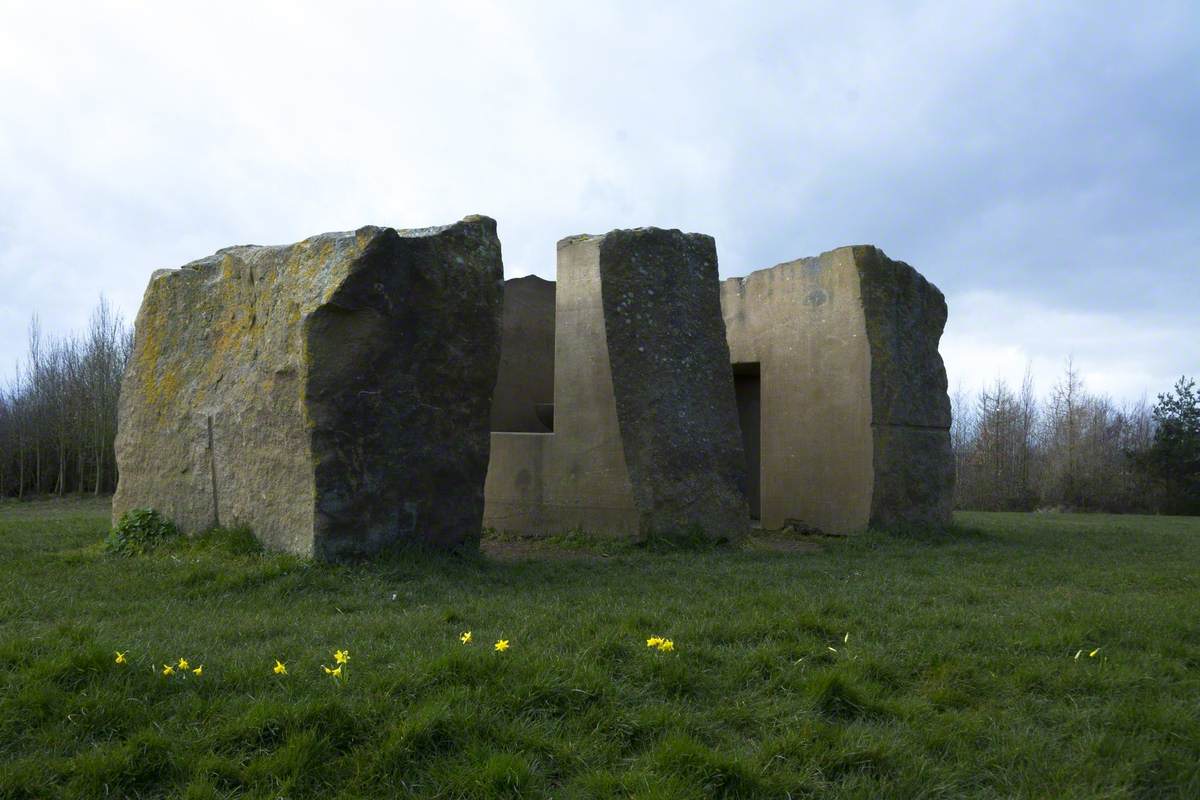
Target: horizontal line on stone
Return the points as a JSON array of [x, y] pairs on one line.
[[944, 428]]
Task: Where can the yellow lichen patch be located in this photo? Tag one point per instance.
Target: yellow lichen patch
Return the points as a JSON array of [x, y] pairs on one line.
[[159, 382]]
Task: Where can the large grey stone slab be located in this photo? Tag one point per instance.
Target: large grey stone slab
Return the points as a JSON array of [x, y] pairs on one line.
[[910, 408], [333, 395], [672, 380]]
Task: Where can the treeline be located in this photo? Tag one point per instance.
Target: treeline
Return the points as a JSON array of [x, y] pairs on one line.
[[58, 414], [1075, 450]]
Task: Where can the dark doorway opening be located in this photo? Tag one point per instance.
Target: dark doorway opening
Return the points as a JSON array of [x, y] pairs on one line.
[[746, 384]]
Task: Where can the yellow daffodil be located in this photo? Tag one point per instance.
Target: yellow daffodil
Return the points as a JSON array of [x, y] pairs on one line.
[[465, 637], [183, 664], [120, 656], [666, 646], [1093, 653], [337, 673], [501, 645], [654, 641], [168, 670], [198, 671], [280, 669], [341, 656]]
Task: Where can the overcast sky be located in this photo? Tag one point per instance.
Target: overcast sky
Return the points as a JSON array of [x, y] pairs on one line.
[[1039, 162]]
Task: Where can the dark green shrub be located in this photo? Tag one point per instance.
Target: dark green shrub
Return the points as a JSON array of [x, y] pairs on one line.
[[139, 531]]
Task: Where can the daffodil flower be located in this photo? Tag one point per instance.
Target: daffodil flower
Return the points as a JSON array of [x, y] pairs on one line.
[[168, 670], [198, 671], [465, 637], [1093, 653], [666, 646], [120, 656], [341, 656], [501, 645], [336, 673], [654, 641], [183, 664], [280, 669]]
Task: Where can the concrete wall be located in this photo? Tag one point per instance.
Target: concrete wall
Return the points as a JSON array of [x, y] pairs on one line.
[[575, 478], [645, 432], [803, 323], [854, 412], [526, 373]]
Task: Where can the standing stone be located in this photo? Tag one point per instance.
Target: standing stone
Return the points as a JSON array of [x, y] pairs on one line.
[[645, 433], [332, 395], [910, 406], [847, 391]]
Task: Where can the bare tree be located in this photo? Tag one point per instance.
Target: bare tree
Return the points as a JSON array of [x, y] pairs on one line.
[[59, 411]]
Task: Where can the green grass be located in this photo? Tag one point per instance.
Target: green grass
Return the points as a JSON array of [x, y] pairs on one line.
[[958, 679]]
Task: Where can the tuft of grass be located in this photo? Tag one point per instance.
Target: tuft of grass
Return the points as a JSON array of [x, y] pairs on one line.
[[957, 677]]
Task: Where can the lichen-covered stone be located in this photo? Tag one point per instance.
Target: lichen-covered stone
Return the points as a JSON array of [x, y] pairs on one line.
[[332, 395], [672, 381]]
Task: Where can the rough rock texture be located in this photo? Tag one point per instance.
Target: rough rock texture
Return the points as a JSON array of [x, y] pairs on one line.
[[910, 422], [526, 376], [333, 395], [645, 424], [672, 380]]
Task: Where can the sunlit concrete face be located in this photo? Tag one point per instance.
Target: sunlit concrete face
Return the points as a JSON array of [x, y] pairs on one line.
[[645, 429], [802, 325], [852, 406]]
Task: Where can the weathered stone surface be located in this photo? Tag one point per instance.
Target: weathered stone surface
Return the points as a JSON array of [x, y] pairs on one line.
[[526, 376], [333, 395], [910, 408], [645, 428], [854, 412], [672, 380]]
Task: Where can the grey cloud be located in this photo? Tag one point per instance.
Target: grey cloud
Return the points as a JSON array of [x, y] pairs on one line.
[[1043, 153]]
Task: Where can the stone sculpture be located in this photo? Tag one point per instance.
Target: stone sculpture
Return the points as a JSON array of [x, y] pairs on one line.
[[332, 395], [645, 425], [842, 392]]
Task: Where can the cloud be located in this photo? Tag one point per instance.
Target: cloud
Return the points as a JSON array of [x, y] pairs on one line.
[[993, 335], [1035, 150]]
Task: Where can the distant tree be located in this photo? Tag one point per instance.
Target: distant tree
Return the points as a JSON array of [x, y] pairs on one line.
[[1064, 423], [1173, 457], [1014, 453], [962, 439], [58, 415]]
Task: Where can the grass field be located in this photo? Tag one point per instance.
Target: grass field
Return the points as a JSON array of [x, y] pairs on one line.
[[960, 676]]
